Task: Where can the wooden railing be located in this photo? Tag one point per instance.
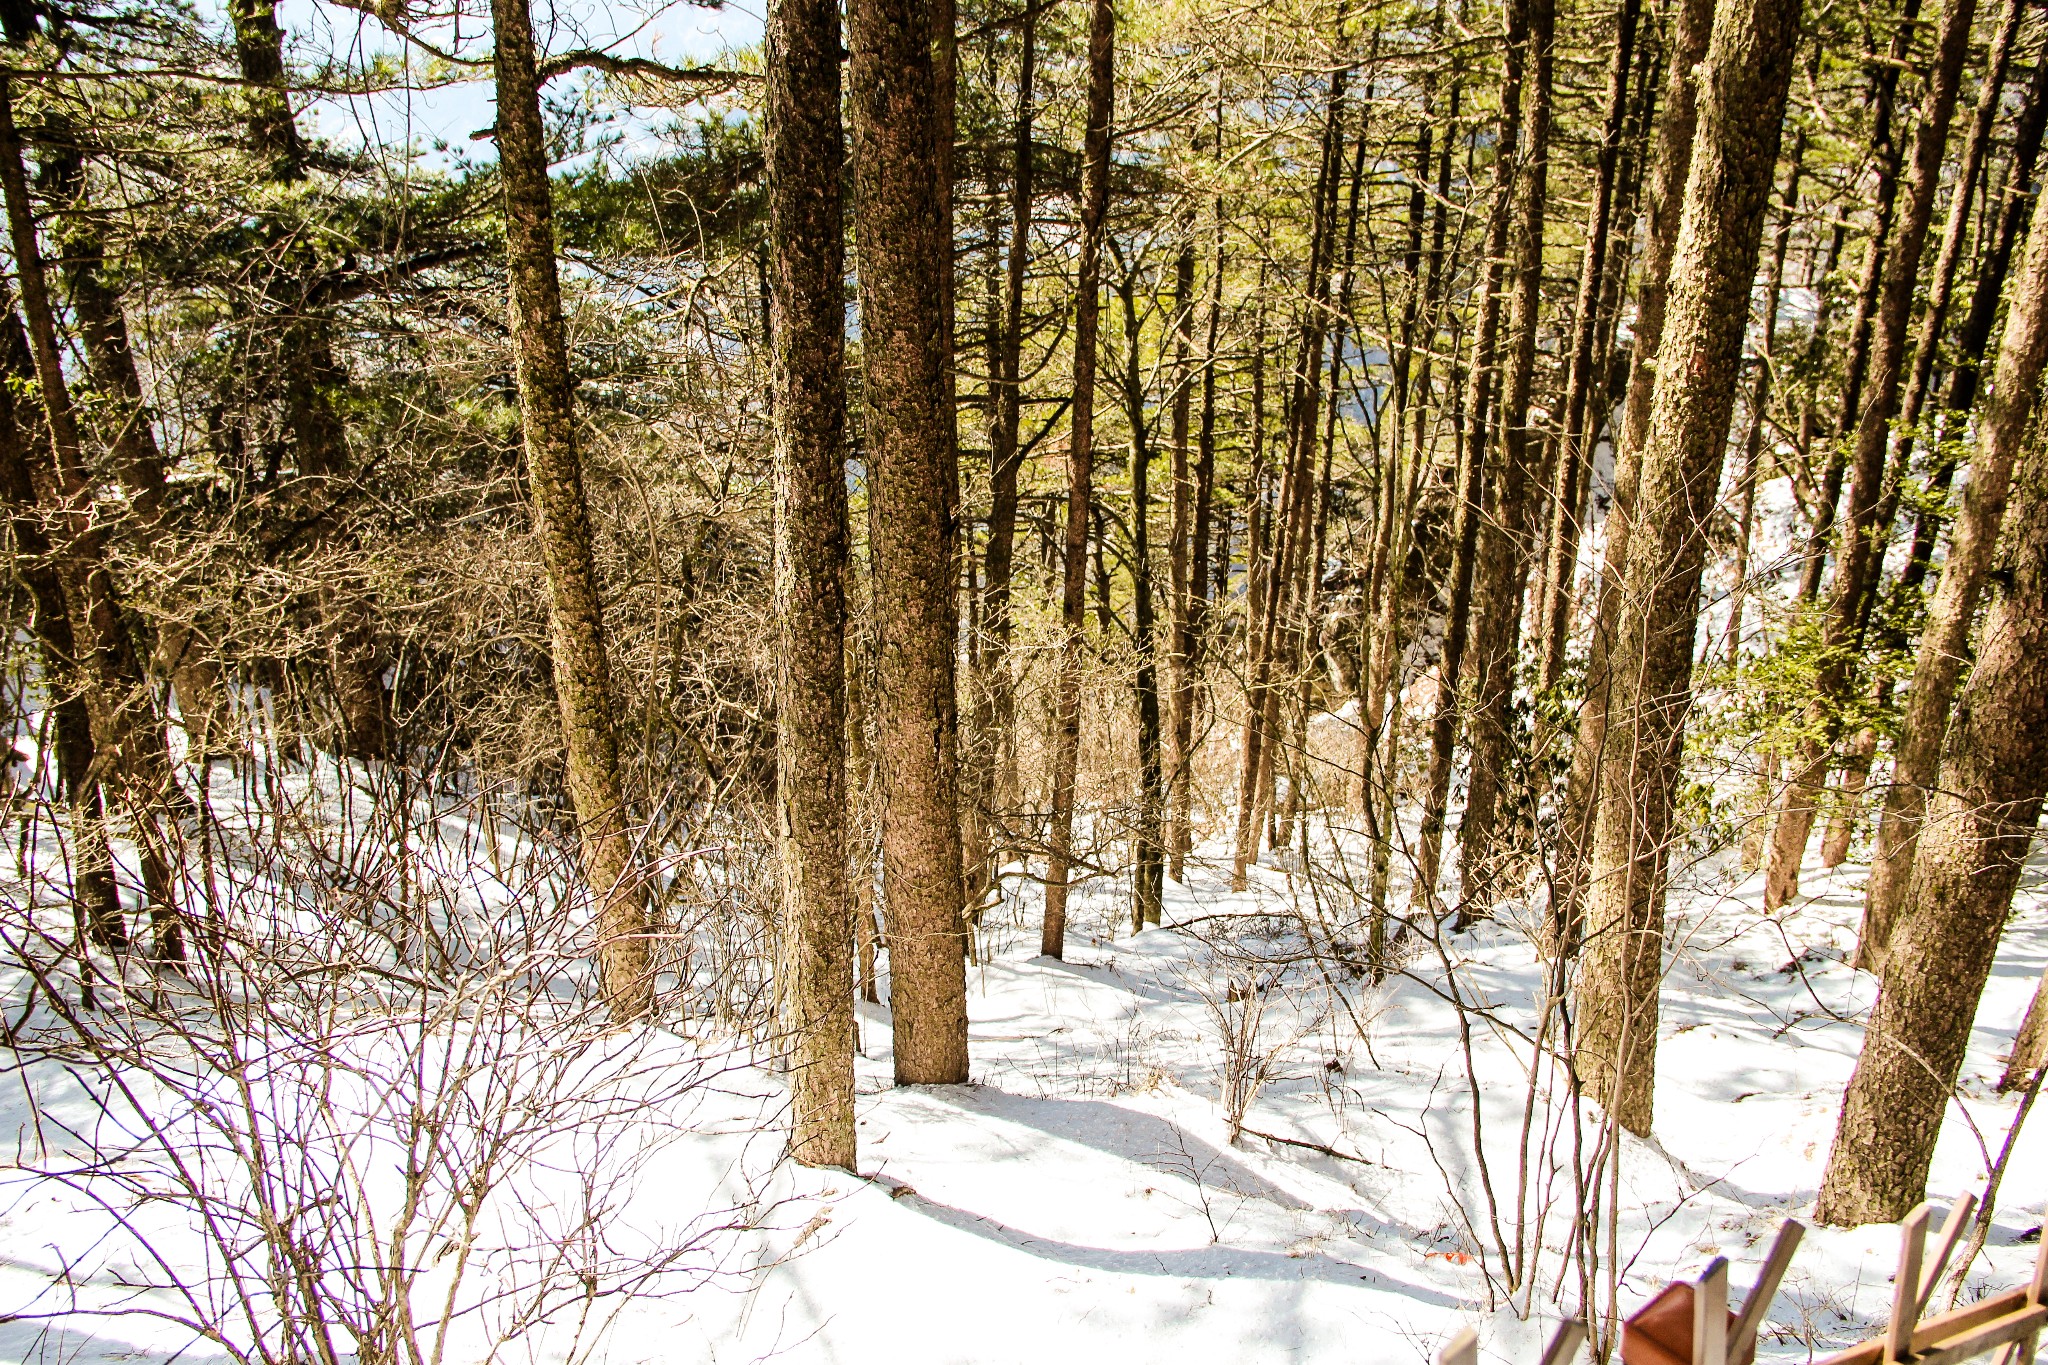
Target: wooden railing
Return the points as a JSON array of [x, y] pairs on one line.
[[1688, 1322]]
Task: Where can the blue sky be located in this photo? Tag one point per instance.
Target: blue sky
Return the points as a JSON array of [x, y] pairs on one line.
[[440, 110]]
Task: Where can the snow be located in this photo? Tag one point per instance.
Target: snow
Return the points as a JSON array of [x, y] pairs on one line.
[[1083, 1200]]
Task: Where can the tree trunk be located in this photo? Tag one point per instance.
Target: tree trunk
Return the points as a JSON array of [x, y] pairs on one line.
[[2029, 1045], [1504, 541], [1148, 863], [1972, 848], [95, 897], [1580, 423], [582, 670], [124, 726], [1675, 130], [1066, 755], [1944, 639], [997, 728], [1861, 533], [903, 261], [310, 378], [805, 162], [1183, 579], [1918, 749], [1471, 476], [1713, 267]]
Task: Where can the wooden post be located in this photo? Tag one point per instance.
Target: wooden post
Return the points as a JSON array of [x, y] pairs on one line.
[[1462, 1350], [1564, 1342], [1898, 1337], [1951, 1232], [1751, 1319], [1710, 1315]]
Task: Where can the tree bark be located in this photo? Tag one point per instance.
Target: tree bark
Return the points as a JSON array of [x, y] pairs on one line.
[[904, 260], [1675, 132], [1713, 266], [997, 728], [1183, 579], [582, 669], [1504, 542], [126, 732], [1972, 848], [95, 896], [1861, 532], [1471, 475], [1554, 612], [1918, 750], [1148, 863], [1944, 639], [1066, 755], [805, 161]]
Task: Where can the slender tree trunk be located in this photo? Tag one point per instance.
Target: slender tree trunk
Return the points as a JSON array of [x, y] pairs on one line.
[[1472, 464], [96, 899], [997, 727], [1180, 814], [1972, 848], [1675, 130], [1183, 579], [904, 262], [124, 726], [1066, 756], [310, 380], [1148, 856], [582, 668], [1878, 251], [1760, 400], [996, 694], [1713, 266], [1580, 423], [1505, 547], [1859, 552], [805, 162]]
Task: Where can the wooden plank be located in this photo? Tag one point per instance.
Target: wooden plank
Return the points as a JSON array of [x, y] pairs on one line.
[[1951, 1231], [1564, 1343], [1743, 1338], [1898, 1333], [1710, 1315], [1462, 1350], [1984, 1339], [1934, 1329]]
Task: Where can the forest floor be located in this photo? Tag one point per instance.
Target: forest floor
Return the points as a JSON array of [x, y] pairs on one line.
[[1082, 1201]]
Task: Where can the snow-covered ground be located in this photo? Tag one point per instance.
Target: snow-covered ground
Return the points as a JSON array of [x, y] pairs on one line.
[[1082, 1200]]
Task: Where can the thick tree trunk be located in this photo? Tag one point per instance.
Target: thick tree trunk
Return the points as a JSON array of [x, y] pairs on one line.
[[1505, 548], [1945, 638], [582, 670], [1972, 848], [805, 162], [1861, 531], [1675, 130], [1713, 266], [1066, 746], [903, 262]]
